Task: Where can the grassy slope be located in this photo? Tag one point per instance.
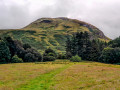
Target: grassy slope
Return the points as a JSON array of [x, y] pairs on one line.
[[48, 76], [42, 35]]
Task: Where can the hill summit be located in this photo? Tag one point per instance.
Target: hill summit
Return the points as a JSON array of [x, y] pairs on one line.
[[67, 25], [52, 32]]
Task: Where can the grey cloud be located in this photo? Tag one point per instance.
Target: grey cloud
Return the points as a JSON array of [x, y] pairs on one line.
[[13, 16], [102, 13]]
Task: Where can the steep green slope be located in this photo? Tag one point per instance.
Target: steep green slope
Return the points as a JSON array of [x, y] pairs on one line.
[[52, 32]]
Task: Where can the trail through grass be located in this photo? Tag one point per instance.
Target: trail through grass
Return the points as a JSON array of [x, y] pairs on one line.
[[12, 76], [60, 75], [43, 82]]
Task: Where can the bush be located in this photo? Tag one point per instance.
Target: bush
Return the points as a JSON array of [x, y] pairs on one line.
[[29, 57], [50, 52], [76, 59], [61, 56], [49, 55], [16, 59], [48, 58]]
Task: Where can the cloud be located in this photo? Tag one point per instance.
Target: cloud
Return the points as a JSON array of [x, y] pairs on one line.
[[102, 13]]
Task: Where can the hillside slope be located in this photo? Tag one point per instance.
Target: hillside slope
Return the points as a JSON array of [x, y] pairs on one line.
[[52, 32]]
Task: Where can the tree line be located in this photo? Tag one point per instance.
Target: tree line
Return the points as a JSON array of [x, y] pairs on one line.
[[78, 46], [13, 51], [93, 50]]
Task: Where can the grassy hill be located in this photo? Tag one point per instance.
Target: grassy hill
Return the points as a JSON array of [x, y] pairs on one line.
[[52, 32]]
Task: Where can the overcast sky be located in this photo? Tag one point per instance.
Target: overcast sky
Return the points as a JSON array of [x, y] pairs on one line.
[[104, 14]]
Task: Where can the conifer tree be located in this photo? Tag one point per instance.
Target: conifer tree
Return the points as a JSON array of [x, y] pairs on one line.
[[4, 52]]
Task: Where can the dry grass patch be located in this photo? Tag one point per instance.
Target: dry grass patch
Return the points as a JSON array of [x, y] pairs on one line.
[[90, 76]]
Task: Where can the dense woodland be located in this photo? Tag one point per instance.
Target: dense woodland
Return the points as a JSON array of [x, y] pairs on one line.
[[93, 50], [79, 46]]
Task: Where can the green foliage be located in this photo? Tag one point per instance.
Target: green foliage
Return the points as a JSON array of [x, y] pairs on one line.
[[11, 45], [4, 52], [76, 58], [80, 44], [68, 55], [26, 52], [32, 55], [115, 43], [29, 57], [49, 58], [25, 46], [61, 56], [50, 52], [16, 59], [110, 55], [93, 51], [49, 55]]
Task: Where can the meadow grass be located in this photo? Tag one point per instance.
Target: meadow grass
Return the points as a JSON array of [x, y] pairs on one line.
[[43, 82], [13, 76], [89, 76], [60, 75]]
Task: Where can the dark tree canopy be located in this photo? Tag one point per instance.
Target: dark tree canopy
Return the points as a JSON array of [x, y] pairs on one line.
[[24, 51], [5, 55], [49, 55], [81, 45]]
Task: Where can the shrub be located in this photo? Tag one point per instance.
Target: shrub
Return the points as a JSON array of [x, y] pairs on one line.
[[50, 51], [48, 58], [76, 59], [61, 56], [16, 59], [29, 57], [49, 55]]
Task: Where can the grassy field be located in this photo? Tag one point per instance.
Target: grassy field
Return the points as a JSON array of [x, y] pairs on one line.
[[59, 76]]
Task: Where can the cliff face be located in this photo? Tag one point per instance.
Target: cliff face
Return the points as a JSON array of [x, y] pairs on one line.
[[52, 32]]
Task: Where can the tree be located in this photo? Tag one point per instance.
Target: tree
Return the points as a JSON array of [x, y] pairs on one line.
[[4, 52], [49, 55], [115, 43], [95, 52], [110, 55], [68, 45], [10, 43], [29, 57], [25, 46], [78, 44], [23, 50], [81, 45]]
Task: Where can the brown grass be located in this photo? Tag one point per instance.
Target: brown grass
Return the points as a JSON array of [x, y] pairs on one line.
[[89, 76], [82, 75]]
